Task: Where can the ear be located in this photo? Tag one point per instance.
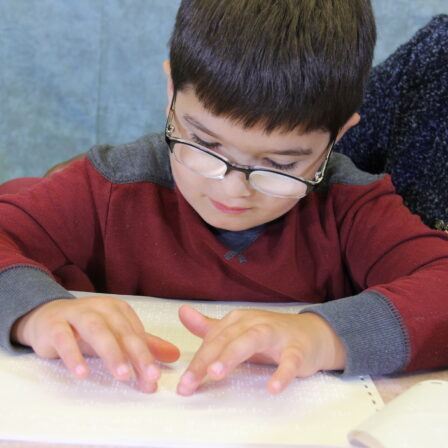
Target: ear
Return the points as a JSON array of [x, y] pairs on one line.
[[169, 84], [352, 121]]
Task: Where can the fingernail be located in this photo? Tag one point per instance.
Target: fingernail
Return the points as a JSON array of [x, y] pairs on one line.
[[276, 386], [184, 390], [80, 370], [152, 372], [217, 368], [188, 378], [149, 388], [122, 370]]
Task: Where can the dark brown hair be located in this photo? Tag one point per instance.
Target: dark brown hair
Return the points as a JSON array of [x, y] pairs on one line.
[[279, 63]]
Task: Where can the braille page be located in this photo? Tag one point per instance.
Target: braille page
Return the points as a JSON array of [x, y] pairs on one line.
[[42, 402], [417, 418]]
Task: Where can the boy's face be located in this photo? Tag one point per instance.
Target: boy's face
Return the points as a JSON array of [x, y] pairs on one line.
[[231, 203]]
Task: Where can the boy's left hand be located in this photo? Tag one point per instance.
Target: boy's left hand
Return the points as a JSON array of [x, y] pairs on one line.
[[300, 344]]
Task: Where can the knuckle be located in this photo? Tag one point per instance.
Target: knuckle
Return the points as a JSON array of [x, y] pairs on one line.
[[221, 337], [121, 306], [210, 337], [234, 315], [127, 307], [132, 343], [294, 357], [92, 323], [123, 330], [47, 346], [260, 331], [60, 336]]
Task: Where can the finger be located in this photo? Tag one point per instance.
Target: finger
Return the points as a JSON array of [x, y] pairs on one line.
[[162, 350], [134, 340], [124, 309], [148, 387], [140, 356], [66, 346], [194, 321], [92, 329], [133, 343], [254, 340], [289, 367], [208, 353]]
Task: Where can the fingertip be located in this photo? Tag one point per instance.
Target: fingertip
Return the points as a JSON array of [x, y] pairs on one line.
[[168, 352], [122, 372], [194, 320], [184, 307], [216, 370], [188, 378], [171, 355], [186, 311], [275, 387], [184, 391], [148, 387], [153, 372], [188, 383], [80, 371], [162, 350], [190, 310], [175, 355]]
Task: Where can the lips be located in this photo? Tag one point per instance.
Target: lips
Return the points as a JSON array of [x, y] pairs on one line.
[[229, 210]]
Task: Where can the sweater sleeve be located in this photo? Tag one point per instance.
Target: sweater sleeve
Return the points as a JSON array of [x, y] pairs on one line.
[[399, 320], [23, 288], [372, 332], [52, 226]]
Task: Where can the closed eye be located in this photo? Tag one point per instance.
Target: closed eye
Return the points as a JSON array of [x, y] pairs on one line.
[[281, 166], [201, 142], [272, 163]]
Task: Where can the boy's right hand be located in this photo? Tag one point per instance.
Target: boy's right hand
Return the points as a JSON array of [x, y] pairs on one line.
[[95, 326]]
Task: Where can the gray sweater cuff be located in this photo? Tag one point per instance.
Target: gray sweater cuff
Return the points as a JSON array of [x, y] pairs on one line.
[[371, 330], [23, 288]]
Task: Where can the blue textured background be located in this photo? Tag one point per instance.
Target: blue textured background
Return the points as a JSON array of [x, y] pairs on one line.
[[77, 73]]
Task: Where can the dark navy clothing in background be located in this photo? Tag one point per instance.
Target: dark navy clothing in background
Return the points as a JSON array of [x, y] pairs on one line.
[[404, 126]]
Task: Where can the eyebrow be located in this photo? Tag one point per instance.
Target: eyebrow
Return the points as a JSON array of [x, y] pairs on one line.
[[200, 126], [299, 151]]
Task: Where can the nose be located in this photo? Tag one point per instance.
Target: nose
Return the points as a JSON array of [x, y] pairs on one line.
[[236, 185]]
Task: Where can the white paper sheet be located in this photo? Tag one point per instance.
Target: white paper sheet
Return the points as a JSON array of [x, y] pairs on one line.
[[415, 419], [41, 401]]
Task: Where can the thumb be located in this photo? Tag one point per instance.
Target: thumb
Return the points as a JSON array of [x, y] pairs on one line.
[[194, 321], [162, 350]]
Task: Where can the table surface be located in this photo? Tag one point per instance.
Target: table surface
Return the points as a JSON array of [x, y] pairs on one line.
[[388, 386]]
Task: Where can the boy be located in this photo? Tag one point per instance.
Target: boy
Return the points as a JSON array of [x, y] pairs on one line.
[[232, 204]]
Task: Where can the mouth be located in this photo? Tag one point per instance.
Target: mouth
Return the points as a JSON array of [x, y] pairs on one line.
[[229, 210]]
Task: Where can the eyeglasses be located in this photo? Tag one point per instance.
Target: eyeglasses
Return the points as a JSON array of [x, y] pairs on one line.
[[209, 164]]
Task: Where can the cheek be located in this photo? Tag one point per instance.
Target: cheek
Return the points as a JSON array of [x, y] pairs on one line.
[[188, 183], [178, 174]]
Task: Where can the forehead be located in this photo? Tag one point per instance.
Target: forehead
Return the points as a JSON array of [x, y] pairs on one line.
[[195, 118]]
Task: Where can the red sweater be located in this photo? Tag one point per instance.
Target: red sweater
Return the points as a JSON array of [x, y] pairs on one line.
[[116, 223]]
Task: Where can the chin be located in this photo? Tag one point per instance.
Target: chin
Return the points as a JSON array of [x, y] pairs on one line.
[[232, 225]]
